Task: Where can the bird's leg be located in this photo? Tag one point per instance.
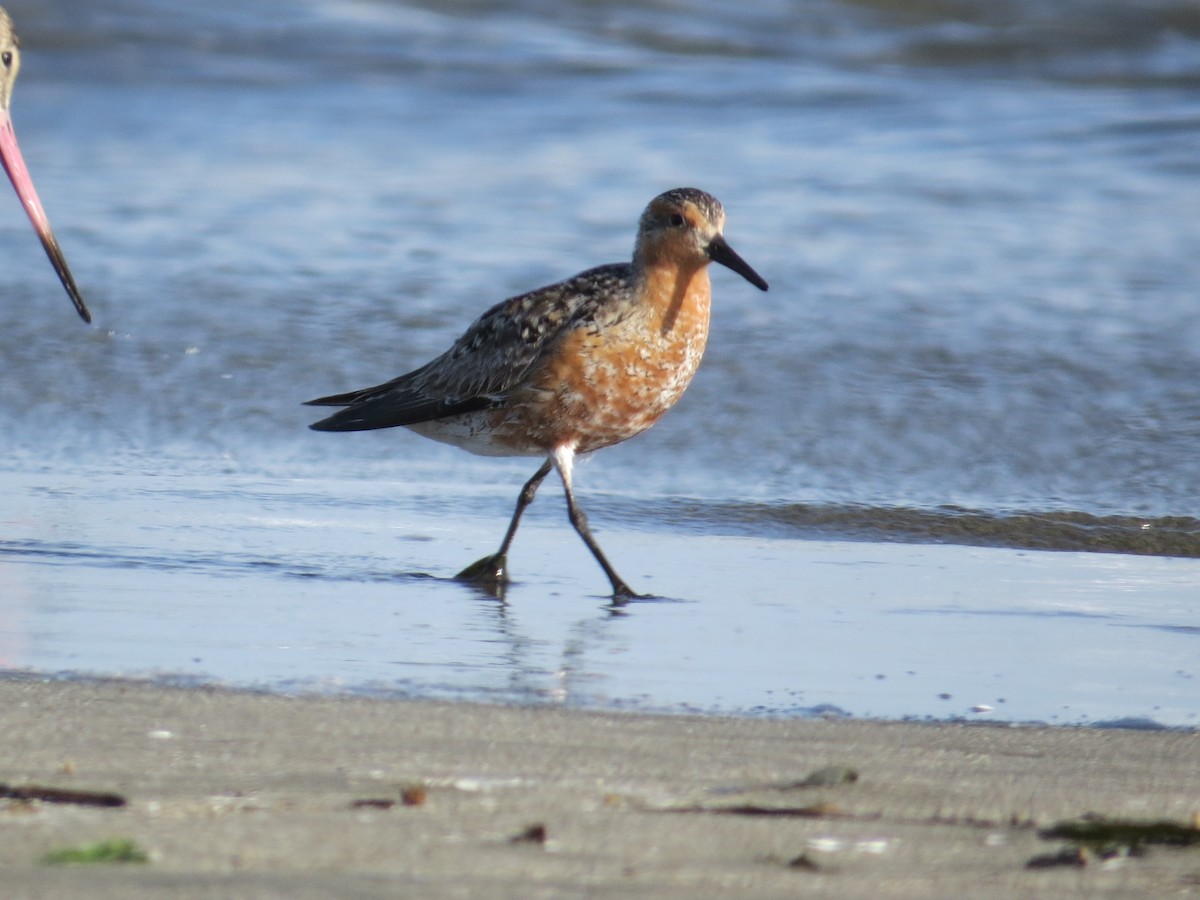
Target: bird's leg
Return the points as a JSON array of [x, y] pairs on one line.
[[493, 570], [563, 459]]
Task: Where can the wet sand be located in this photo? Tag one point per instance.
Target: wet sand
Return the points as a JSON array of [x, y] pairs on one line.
[[254, 795]]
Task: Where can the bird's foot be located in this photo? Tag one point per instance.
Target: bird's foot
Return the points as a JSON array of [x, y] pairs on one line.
[[490, 573], [623, 593]]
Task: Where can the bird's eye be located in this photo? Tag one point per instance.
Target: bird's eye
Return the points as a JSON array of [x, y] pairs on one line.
[[6, 58], [676, 220]]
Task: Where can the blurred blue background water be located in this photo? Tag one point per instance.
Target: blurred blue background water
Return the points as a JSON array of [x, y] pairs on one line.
[[980, 223]]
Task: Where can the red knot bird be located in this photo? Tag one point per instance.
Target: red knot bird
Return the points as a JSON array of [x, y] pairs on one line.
[[569, 368], [14, 165]]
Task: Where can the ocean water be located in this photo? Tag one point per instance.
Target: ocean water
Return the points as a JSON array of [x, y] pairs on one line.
[[978, 356]]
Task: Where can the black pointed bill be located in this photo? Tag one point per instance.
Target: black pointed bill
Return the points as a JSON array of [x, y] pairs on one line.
[[721, 252]]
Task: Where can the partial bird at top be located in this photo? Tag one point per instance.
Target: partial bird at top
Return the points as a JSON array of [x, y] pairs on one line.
[[14, 165]]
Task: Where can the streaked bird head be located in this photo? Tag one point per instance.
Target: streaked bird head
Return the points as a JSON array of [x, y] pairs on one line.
[[685, 226]]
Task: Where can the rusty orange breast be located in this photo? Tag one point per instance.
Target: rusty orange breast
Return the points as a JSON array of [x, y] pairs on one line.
[[604, 383]]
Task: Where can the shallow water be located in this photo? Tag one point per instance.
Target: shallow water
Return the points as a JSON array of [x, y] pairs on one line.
[[979, 222], [314, 584]]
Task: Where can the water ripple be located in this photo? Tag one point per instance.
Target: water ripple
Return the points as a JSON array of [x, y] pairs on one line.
[[1177, 536]]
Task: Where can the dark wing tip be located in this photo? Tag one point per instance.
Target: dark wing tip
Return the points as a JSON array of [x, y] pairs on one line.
[[390, 410]]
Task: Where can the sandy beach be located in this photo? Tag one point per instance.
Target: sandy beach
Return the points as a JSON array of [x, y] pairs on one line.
[[238, 794]]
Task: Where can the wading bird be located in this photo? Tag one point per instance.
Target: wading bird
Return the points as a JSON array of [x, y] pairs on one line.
[[570, 368]]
